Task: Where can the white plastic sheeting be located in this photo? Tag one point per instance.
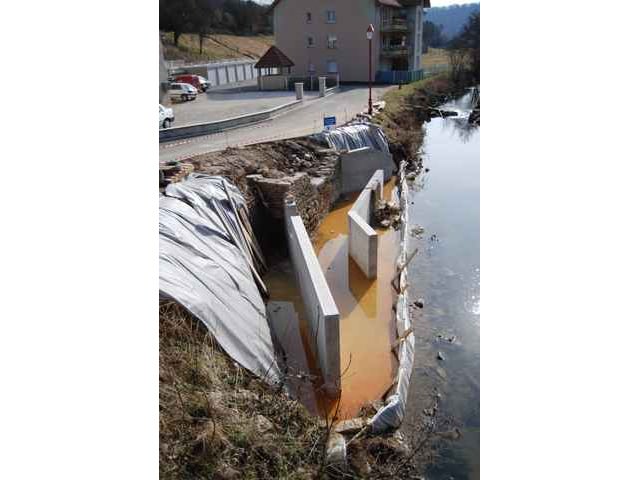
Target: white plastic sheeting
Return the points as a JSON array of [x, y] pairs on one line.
[[206, 266], [355, 136], [392, 414]]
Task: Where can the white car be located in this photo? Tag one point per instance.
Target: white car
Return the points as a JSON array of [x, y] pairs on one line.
[[206, 84], [166, 117], [183, 91]]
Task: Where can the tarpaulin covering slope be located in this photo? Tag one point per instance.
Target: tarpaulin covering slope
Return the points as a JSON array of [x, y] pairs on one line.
[[205, 266], [392, 414], [355, 136]]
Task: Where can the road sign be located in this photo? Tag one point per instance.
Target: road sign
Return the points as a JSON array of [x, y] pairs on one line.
[[330, 122]]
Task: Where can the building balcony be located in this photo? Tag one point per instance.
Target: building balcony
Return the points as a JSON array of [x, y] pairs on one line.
[[394, 25], [394, 51]]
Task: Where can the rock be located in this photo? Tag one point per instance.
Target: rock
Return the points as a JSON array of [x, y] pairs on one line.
[[227, 473], [360, 464], [336, 450], [426, 170], [453, 434], [411, 177], [263, 424], [244, 394], [452, 339], [403, 447], [385, 223], [419, 303], [351, 426], [417, 231], [440, 356]]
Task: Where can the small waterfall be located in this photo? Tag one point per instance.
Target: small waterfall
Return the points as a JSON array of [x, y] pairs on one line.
[[353, 137]]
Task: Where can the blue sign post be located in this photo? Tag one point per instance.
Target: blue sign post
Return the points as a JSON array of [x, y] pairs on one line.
[[329, 122]]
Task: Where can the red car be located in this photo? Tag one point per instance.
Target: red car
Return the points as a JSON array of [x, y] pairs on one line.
[[201, 83]]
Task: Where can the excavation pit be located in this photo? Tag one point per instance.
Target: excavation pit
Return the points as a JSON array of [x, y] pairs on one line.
[[368, 366]]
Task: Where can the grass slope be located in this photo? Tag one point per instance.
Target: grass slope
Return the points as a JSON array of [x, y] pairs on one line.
[[216, 47]]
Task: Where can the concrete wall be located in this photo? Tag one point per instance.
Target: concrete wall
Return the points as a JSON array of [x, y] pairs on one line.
[[273, 82], [320, 308], [363, 240], [358, 165]]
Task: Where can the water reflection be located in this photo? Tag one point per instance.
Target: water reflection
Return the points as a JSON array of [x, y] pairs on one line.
[[445, 202]]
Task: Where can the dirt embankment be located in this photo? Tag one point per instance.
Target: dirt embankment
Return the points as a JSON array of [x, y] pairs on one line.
[[219, 422]]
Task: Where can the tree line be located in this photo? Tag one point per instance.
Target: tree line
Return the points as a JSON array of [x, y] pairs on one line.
[[205, 17], [464, 51]]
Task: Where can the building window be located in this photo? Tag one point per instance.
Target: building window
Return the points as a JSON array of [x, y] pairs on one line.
[[332, 41], [308, 17], [310, 42], [331, 16], [332, 66]]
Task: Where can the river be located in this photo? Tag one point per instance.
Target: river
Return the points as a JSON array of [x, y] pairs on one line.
[[446, 275]]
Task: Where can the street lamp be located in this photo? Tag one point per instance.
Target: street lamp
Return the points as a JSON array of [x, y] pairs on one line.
[[370, 31]]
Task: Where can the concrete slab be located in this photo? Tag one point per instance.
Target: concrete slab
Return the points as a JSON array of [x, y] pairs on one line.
[[363, 239], [359, 165], [320, 308]]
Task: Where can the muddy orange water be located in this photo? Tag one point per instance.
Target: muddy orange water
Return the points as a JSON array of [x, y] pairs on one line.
[[367, 325]]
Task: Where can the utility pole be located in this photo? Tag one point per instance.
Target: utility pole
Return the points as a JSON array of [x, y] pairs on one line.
[[370, 31]]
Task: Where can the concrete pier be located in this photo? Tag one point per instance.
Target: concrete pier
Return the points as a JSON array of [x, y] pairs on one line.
[[357, 166], [363, 239], [320, 308]]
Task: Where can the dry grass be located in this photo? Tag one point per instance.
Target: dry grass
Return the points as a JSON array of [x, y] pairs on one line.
[[217, 47], [435, 56], [219, 422]]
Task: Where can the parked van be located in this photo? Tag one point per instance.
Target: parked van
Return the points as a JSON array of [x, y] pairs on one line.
[[183, 91], [201, 83]]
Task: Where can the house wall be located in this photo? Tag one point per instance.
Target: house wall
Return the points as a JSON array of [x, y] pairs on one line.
[[352, 52]]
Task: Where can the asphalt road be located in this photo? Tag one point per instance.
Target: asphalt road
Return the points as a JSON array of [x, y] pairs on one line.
[[219, 104], [303, 120]]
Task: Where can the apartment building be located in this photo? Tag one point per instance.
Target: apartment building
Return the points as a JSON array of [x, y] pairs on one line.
[[328, 37]]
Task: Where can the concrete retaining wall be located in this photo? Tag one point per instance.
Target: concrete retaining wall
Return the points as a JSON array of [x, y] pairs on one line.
[[320, 308], [199, 129], [363, 240], [358, 166], [273, 82]]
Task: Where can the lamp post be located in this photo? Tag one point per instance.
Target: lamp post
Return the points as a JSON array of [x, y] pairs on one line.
[[370, 31]]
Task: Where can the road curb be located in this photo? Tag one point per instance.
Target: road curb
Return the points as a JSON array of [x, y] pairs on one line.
[[208, 128]]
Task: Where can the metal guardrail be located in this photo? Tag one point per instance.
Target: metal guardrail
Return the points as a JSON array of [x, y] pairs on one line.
[[207, 128]]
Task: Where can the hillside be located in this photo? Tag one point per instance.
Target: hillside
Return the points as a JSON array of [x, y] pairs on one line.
[[217, 47], [452, 18]]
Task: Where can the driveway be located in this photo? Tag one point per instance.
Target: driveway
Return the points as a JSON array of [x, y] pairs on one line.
[[303, 120]]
